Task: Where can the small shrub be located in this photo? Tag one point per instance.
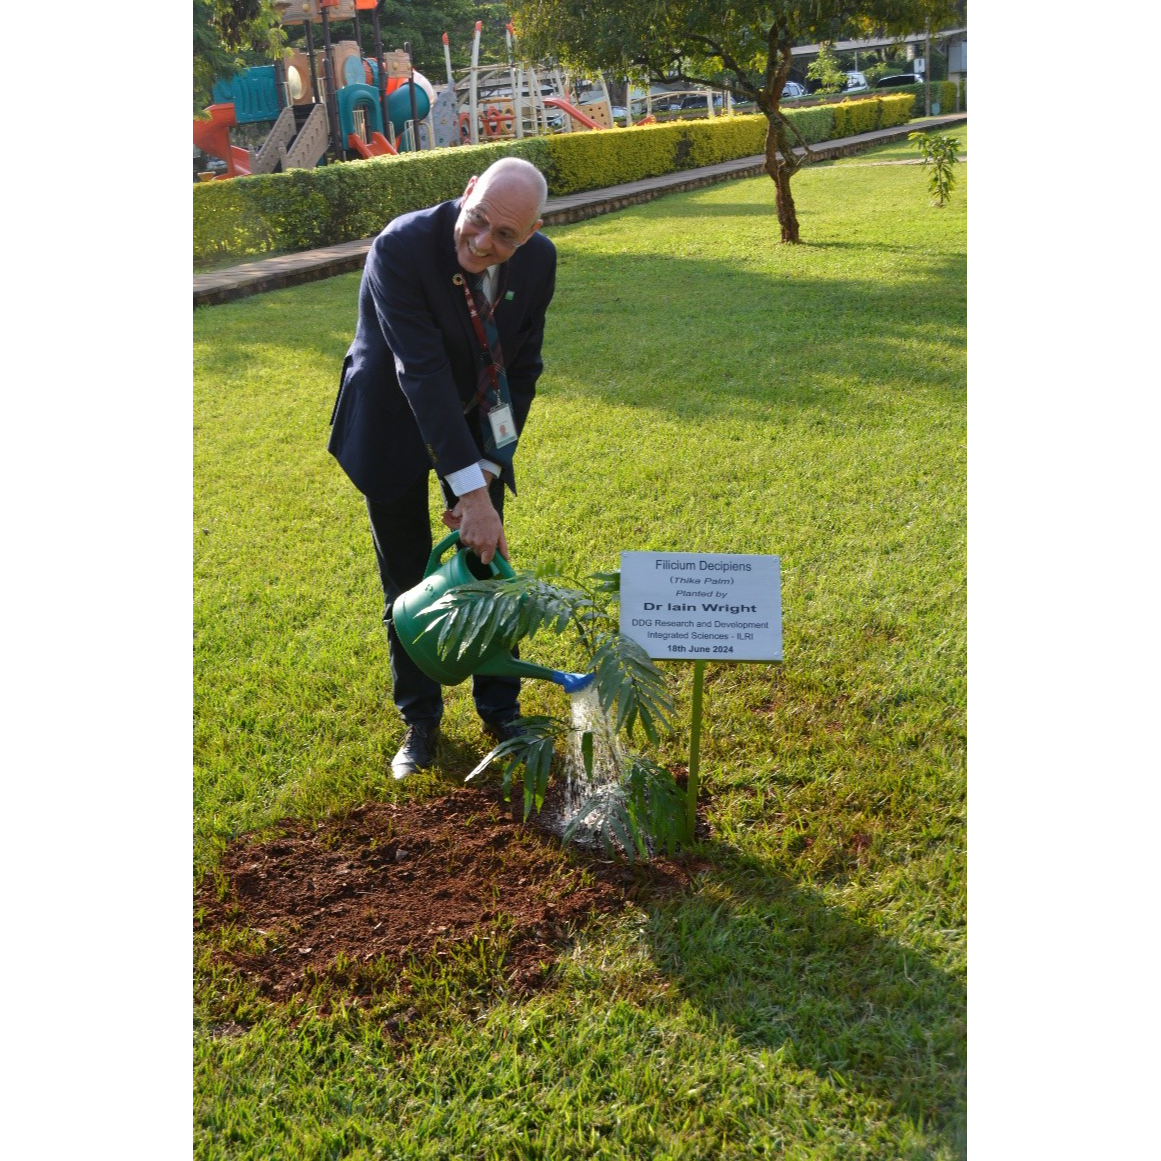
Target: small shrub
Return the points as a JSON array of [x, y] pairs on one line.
[[939, 152]]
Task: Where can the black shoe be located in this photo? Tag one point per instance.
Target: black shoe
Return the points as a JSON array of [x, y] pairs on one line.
[[503, 731], [417, 752]]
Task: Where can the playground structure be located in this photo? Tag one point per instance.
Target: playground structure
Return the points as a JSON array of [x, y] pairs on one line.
[[329, 100], [510, 101], [332, 103]]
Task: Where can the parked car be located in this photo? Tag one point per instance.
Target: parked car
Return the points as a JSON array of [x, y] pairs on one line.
[[554, 120], [659, 103], [792, 90], [897, 80], [856, 83], [698, 101]]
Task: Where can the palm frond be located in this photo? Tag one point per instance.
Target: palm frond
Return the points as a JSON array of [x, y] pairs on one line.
[[638, 808], [606, 582], [631, 687], [658, 804], [499, 612], [532, 730]]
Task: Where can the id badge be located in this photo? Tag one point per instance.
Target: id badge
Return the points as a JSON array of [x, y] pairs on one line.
[[503, 425]]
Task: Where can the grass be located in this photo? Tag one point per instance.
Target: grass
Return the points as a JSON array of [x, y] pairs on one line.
[[901, 150], [705, 390]]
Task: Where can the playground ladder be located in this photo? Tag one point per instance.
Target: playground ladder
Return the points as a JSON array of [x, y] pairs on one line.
[[311, 142], [273, 149]]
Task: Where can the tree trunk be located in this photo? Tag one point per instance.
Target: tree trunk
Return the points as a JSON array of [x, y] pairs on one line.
[[927, 69], [781, 168]]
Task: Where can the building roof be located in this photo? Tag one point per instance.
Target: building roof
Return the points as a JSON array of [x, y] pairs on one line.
[[879, 42]]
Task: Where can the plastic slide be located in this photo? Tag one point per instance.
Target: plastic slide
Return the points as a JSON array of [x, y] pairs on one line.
[[376, 147], [561, 104], [213, 137]]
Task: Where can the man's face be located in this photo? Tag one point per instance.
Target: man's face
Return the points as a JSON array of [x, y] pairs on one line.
[[495, 219]]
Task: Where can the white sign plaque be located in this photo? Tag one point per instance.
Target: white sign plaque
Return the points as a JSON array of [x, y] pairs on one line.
[[692, 606]]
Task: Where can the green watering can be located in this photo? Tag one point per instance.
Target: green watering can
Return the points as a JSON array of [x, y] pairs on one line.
[[413, 611]]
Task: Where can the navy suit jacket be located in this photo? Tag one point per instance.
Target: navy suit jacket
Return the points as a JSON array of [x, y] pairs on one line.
[[413, 365]]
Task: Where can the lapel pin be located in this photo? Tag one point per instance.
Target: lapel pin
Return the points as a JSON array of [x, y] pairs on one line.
[[458, 279], [509, 296]]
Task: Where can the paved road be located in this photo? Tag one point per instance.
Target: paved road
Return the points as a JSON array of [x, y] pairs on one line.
[[291, 269]]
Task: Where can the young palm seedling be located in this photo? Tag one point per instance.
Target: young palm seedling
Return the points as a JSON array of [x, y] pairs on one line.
[[613, 795]]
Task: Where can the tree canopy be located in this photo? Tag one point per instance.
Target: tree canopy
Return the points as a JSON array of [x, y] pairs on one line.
[[744, 47], [229, 35]]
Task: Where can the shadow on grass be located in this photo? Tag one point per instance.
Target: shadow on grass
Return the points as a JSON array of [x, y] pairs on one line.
[[786, 970], [790, 972], [656, 332]]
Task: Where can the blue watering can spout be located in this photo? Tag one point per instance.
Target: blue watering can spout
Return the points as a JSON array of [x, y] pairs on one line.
[[573, 682]]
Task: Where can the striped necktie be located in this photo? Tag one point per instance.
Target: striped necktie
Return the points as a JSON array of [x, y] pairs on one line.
[[492, 382]]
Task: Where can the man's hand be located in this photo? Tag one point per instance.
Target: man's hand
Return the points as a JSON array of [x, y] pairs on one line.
[[479, 523]]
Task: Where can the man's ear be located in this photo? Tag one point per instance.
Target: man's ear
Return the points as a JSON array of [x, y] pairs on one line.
[[539, 223], [470, 186]]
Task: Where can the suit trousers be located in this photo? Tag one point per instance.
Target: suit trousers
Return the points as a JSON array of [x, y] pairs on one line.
[[401, 532]]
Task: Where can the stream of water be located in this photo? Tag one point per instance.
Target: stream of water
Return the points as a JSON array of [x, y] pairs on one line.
[[608, 761]]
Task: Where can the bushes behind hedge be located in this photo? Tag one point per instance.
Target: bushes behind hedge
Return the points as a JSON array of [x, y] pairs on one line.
[[303, 209], [942, 92]]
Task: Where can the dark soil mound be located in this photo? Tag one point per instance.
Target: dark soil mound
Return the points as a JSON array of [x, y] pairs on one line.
[[389, 882]]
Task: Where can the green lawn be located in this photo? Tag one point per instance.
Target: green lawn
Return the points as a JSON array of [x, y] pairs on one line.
[[900, 150], [705, 390]]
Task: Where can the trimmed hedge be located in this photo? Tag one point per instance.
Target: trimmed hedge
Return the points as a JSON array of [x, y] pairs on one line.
[[942, 92], [815, 123], [867, 113], [582, 161], [303, 209]]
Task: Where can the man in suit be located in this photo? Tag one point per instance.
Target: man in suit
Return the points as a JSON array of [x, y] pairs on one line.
[[441, 376]]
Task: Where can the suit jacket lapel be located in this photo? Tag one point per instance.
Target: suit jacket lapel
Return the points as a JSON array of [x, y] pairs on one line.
[[450, 274]]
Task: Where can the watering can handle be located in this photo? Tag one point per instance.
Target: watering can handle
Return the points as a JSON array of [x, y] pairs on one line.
[[499, 566]]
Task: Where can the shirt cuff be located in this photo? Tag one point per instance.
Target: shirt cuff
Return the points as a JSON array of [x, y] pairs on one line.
[[466, 479]]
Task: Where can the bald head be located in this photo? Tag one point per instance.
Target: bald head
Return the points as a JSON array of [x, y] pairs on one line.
[[518, 176], [500, 212]]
